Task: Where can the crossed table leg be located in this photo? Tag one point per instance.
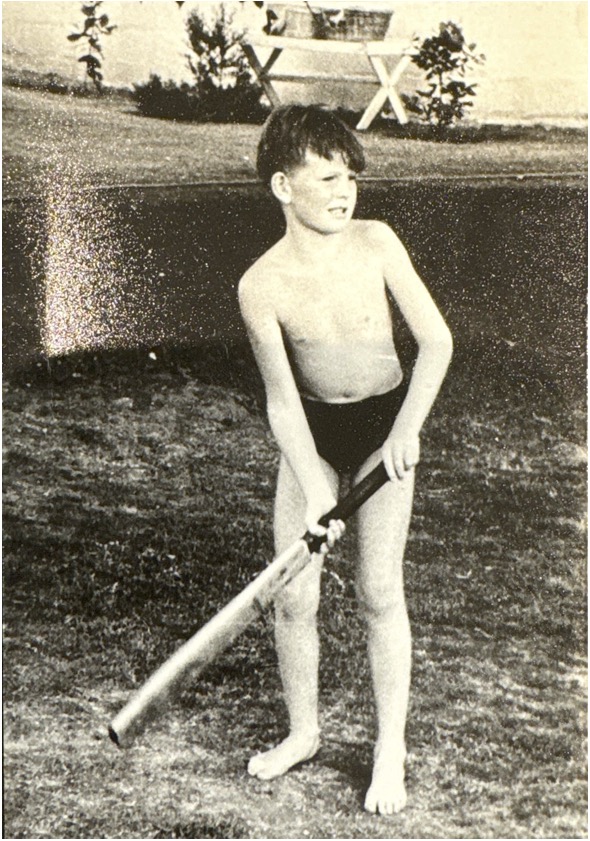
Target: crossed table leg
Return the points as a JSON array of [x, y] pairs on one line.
[[387, 91], [263, 73], [387, 79]]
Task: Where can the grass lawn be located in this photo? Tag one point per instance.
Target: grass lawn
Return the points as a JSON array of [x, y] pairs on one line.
[[104, 141], [137, 501]]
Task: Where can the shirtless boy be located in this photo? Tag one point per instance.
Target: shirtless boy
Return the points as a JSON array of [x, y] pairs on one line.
[[317, 309]]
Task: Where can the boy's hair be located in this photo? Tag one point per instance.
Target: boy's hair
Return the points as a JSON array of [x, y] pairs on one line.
[[292, 130]]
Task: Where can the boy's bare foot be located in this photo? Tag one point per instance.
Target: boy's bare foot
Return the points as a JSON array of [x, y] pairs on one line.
[[277, 761], [387, 792]]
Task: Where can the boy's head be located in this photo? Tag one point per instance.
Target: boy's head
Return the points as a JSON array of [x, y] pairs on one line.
[[293, 130]]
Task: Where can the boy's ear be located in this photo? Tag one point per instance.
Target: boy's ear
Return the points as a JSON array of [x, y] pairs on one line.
[[281, 188]]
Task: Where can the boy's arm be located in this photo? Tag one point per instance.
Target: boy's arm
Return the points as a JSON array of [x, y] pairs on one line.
[[285, 412], [435, 347]]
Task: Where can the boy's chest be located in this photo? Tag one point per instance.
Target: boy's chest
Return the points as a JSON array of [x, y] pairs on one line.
[[336, 304]]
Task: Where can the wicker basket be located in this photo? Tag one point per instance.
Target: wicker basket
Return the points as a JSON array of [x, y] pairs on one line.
[[293, 20], [352, 25], [296, 20]]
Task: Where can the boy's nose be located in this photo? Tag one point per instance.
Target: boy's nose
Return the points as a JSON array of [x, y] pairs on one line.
[[344, 188]]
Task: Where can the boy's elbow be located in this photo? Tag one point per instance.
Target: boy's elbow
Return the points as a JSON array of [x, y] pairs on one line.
[[440, 344], [446, 343], [446, 347]]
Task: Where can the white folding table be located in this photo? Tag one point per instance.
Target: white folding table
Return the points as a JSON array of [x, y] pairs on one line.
[[379, 55]]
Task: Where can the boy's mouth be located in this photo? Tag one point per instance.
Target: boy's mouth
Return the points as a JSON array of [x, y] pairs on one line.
[[339, 212]]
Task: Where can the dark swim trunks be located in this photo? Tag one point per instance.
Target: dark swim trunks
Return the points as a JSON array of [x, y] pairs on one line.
[[346, 434]]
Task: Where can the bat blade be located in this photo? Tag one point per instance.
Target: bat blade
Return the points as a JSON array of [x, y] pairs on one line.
[[214, 637], [207, 644]]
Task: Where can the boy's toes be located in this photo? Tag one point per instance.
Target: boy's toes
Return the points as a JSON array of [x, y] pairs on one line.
[[385, 803], [371, 805], [383, 807], [255, 766]]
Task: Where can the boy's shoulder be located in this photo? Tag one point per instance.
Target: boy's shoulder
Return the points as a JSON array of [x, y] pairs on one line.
[[375, 230], [260, 278], [376, 237], [263, 267]]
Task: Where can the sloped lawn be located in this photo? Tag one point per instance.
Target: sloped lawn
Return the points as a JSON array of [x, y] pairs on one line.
[[43, 131]]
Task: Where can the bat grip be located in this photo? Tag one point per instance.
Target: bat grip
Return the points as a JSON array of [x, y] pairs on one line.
[[351, 503]]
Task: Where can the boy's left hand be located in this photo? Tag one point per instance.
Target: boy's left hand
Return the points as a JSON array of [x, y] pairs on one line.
[[400, 453]]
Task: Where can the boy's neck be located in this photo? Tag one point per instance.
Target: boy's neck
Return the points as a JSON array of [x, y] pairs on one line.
[[311, 245]]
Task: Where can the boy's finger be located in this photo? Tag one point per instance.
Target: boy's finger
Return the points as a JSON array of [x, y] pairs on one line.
[[388, 463], [332, 534], [400, 468], [316, 529], [337, 528], [412, 457]]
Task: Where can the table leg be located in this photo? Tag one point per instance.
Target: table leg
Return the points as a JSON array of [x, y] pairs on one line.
[[386, 91], [262, 73]]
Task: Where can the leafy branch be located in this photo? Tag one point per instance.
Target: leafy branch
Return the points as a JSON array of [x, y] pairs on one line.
[[95, 25]]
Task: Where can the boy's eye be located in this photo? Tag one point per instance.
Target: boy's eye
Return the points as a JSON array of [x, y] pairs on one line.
[[351, 177]]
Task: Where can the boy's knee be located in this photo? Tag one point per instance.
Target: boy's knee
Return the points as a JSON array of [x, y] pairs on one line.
[[379, 600], [298, 601]]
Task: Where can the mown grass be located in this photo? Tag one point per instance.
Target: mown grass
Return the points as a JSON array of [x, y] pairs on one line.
[[138, 496], [43, 130], [137, 501]]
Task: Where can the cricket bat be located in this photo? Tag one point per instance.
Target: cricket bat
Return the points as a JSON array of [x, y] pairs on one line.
[[216, 635]]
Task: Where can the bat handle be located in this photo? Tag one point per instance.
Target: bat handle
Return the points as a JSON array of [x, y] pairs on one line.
[[351, 503]]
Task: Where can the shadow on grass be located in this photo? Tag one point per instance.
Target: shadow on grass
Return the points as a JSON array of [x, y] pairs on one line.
[[468, 132], [206, 826]]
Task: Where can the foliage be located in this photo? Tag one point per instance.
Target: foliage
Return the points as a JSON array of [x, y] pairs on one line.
[[166, 99], [95, 25], [445, 58], [224, 82], [51, 82], [223, 91]]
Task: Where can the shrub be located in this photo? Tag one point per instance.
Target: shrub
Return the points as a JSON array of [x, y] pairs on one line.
[[49, 82], [224, 90], [156, 98], [444, 57]]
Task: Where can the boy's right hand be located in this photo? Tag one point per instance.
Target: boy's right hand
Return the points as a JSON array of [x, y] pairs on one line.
[[314, 512]]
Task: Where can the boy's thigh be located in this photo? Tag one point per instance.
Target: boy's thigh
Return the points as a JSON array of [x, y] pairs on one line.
[[382, 530], [290, 505], [289, 526]]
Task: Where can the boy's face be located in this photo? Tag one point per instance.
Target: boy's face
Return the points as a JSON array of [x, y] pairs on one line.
[[322, 193]]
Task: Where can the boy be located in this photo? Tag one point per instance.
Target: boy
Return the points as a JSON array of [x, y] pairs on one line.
[[316, 307]]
